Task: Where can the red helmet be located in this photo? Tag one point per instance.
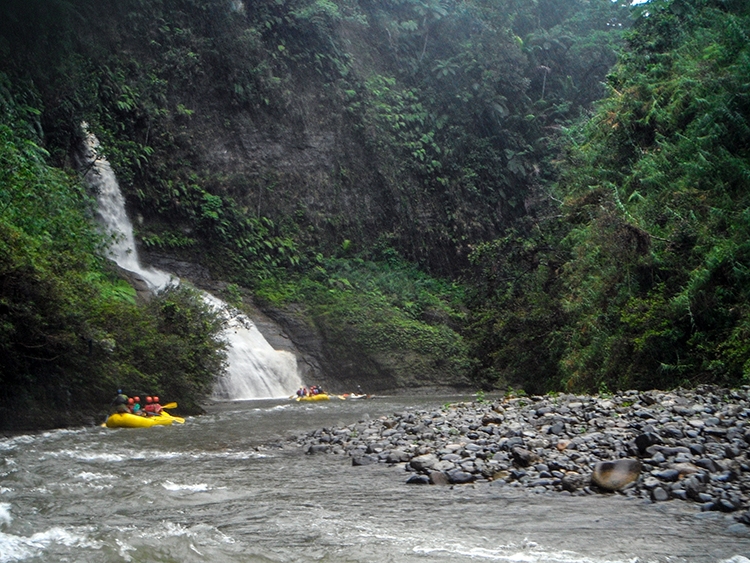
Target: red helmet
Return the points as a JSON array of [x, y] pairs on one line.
[[156, 399], [131, 401], [137, 399], [149, 399]]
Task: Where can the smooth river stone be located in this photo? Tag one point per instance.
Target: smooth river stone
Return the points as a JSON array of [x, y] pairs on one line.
[[615, 475]]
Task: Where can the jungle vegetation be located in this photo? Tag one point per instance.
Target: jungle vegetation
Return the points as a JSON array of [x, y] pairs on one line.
[[637, 277], [70, 328], [545, 194]]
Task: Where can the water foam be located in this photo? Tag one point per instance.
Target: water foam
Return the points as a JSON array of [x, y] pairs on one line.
[[17, 548], [255, 369], [198, 488], [12, 443], [106, 457], [114, 218], [5, 517], [88, 476], [514, 554]]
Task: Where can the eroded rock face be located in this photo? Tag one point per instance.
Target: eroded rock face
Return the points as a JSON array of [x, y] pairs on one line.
[[615, 475]]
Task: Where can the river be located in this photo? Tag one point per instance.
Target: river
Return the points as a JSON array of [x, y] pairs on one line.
[[221, 489]]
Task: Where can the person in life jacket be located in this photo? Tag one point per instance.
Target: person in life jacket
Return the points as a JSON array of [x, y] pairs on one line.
[[152, 406], [120, 402], [149, 406], [157, 406]]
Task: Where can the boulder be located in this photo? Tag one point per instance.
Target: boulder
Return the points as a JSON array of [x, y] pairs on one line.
[[615, 475], [659, 495], [562, 445], [524, 457], [492, 418], [397, 456], [694, 487], [668, 474], [685, 468], [645, 441], [364, 460], [573, 482], [424, 462], [439, 478], [459, 477]]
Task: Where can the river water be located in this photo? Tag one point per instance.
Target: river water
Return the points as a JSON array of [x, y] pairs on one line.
[[221, 489]]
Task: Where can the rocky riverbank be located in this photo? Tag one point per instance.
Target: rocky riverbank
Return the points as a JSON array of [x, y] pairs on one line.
[[686, 444]]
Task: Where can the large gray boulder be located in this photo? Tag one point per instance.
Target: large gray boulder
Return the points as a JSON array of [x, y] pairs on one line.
[[424, 462], [616, 475]]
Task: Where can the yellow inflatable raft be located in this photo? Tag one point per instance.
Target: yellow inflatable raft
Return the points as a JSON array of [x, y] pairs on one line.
[[127, 420], [318, 397]]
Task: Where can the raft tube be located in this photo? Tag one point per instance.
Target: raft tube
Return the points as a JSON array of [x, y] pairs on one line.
[[127, 420], [318, 397]]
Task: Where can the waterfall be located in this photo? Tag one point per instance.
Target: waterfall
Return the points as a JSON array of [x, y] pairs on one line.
[[111, 212], [255, 369]]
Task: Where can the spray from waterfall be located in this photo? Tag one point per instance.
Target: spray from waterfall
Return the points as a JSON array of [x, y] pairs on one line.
[[255, 369]]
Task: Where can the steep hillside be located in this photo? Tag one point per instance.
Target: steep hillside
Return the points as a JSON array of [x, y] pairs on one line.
[[417, 125], [641, 280], [334, 161]]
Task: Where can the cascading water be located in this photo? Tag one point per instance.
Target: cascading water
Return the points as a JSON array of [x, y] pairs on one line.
[[255, 369], [111, 211]]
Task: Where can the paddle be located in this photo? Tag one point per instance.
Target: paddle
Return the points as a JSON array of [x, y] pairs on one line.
[[173, 405]]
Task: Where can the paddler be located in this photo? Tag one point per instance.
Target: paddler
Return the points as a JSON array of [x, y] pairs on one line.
[[137, 408], [152, 406], [149, 408], [120, 402], [157, 406]]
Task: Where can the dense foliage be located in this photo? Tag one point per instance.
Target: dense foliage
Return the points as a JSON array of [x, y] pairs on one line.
[[439, 115], [388, 324], [643, 281], [443, 110], [70, 330], [423, 181]]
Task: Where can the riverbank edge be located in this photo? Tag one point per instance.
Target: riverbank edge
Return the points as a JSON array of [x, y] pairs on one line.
[[684, 444]]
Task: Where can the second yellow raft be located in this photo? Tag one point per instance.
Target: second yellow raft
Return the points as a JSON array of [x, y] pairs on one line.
[[318, 397]]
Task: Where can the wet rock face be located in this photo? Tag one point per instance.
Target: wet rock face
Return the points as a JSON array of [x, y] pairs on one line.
[[685, 445]]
